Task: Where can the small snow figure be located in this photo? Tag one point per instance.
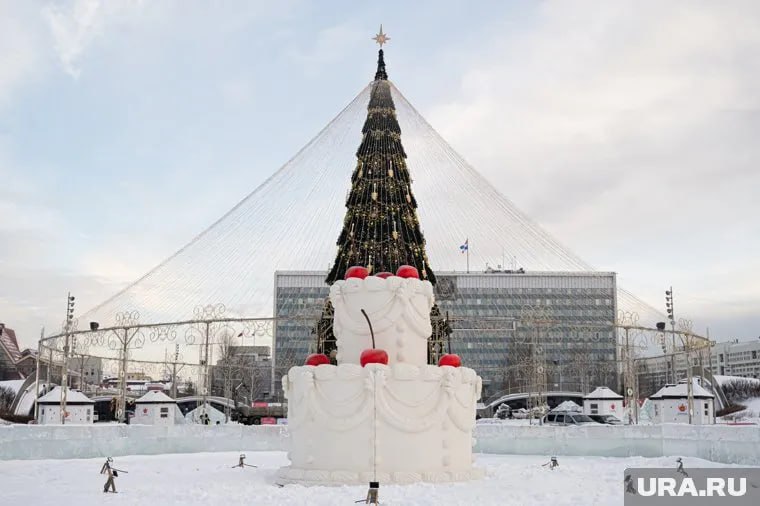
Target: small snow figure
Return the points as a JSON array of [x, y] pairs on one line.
[[552, 463], [241, 463], [372, 494], [679, 468], [629, 488], [112, 473]]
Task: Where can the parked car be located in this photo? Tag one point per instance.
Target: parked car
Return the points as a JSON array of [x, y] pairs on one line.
[[567, 418], [606, 419]]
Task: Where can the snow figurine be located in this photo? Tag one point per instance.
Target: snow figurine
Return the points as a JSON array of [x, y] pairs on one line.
[[372, 494], [679, 468], [112, 473], [629, 488], [552, 463], [241, 462]]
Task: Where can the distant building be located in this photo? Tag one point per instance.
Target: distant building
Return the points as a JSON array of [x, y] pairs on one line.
[[155, 408], [243, 373], [603, 401], [730, 358], [578, 346], [737, 358], [671, 404], [9, 354], [79, 407]]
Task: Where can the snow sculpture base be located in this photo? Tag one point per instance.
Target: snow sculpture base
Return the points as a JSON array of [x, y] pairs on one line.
[[400, 313], [394, 424]]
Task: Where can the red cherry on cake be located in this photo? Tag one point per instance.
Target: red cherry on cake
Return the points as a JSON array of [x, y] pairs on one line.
[[357, 271], [383, 275], [373, 356], [451, 359], [407, 271], [317, 359]]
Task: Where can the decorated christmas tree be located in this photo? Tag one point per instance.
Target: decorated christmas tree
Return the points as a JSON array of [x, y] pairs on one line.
[[381, 230]]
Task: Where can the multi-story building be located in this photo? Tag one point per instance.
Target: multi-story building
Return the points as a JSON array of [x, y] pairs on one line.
[[737, 358], [730, 358], [9, 354], [506, 324], [243, 373]]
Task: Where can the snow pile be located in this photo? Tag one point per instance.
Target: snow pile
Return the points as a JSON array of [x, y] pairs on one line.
[[210, 480], [214, 415], [12, 385], [721, 380], [568, 406]]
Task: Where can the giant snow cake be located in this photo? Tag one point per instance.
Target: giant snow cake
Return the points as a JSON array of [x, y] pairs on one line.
[[402, 422]]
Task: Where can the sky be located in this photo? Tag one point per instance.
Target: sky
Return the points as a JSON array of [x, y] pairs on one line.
[[628, 130]]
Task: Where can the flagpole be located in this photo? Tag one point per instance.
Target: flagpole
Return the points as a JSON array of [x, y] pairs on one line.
[[467, 242]]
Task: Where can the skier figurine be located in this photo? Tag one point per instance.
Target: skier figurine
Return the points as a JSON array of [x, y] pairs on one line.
[[241, 463], [112, 473], [679, 468], [552, 463], [629, 488]]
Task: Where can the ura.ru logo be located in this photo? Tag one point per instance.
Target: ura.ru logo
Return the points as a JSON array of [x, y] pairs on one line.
[[670, 487]]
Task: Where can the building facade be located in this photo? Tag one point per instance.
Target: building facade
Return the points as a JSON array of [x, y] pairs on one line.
[[506, 325], [243, 373], [737, 358]]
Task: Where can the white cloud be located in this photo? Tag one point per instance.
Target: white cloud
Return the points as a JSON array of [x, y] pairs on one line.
[[629, 130], [20, 45]]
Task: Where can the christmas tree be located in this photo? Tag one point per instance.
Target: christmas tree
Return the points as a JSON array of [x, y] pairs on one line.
[[381, 230]]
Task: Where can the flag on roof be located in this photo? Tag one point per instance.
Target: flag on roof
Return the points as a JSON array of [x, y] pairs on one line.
[[466, 246]]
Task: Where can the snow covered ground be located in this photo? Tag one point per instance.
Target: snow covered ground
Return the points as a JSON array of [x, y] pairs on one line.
[[208, 479]]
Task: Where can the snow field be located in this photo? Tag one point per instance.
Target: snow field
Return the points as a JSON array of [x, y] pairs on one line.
[[208, 479]]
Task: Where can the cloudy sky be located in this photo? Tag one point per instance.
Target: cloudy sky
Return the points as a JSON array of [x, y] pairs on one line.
[[115, 116]]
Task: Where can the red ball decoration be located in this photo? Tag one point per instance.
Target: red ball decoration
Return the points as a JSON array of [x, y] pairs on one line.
[[357, 271], [373, 356], [407, 271], [450, 359], [317, 359], [384, 275]]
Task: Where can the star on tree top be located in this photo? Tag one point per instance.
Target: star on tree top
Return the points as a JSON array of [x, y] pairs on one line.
[[381, 38]]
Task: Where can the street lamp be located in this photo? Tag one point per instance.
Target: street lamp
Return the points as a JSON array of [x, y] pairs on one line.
[[670, 308], [70, 302]]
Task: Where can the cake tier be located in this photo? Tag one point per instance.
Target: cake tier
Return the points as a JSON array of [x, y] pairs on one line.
[[398, 424], [399, 310]]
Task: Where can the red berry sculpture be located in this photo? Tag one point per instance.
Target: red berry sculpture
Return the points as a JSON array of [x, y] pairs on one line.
[[357, 271], [407, 271], [384, 275], [317, 359], [372, 355], [451, 359]]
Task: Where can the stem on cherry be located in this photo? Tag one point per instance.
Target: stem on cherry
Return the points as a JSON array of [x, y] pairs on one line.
[[371, 333]]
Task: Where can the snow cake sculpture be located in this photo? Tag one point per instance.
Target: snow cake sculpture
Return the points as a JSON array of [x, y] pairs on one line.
[[382, 414]]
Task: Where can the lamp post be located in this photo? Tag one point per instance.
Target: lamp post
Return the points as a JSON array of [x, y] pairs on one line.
[[65, 372], [671, 316]]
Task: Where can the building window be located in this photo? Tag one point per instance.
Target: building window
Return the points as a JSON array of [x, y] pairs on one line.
[[594, 409], [164, 412]]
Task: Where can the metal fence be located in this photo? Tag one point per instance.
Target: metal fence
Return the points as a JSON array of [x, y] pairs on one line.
[[217, 355]]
